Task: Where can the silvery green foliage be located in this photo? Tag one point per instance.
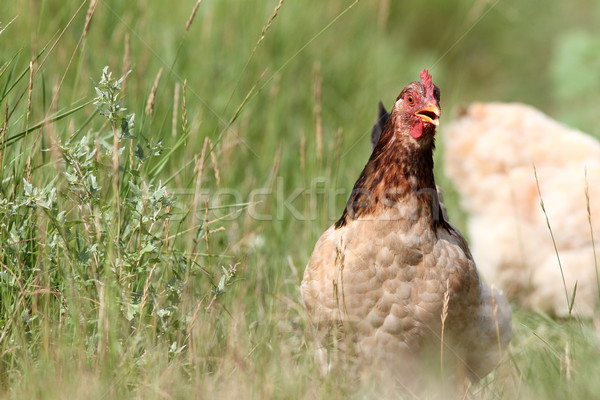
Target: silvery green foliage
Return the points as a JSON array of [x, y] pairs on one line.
[[33, 197], [82, 244], [81, 169], [108, 103]]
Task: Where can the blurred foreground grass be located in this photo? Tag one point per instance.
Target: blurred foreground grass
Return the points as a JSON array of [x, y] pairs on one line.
[[172, 270]]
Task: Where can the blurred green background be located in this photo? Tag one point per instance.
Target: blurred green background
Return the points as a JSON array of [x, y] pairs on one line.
[[541, 53]]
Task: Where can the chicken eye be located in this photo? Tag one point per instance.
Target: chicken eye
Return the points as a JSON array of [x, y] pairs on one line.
[[410, 100]]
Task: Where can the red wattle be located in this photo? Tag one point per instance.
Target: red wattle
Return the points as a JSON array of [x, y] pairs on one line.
[[417, 130]]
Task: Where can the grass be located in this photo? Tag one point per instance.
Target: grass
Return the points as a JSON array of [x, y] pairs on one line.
[[166, 263]]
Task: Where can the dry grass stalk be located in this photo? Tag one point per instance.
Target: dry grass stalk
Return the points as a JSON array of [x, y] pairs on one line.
[[131, 158], [198, 171], [276, 85], [589, 214], [443, 318], [116, 183], [213, 160], [568, 362], [126, 62], [28, 169], [562, 274], [103, 322], [192, 16], [3, 137], [166, 226], [50, 128], [152, 96], [196, 227], [337, 150], [275, 168], [97, 153], [384, 13], [340, 260], [147, 289], [268, 25], [207, 24], [317, 109], [29, 93], [200, 164], [175, 109], [184, 118], [115, 160], [495, 312], [477, 10], [206, 220], [88, 17], [341, 307]]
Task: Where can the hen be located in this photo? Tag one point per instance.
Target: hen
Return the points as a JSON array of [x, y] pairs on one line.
[[392, 279], [490, 154]]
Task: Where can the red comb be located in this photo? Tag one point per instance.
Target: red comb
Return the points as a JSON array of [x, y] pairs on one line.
[[425, 77]]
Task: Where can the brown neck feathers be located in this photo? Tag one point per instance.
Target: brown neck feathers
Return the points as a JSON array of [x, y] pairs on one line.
[[398, 171]]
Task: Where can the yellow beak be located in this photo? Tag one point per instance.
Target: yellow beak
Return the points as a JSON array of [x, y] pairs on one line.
[[430, 114]]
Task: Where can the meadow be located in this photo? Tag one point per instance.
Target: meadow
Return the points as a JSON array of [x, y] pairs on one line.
[[166, 168]]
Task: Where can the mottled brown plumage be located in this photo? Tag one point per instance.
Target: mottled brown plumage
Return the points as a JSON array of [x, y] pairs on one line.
[[387, 273]]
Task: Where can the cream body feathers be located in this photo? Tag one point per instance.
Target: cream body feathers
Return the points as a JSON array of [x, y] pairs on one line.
[[490, 153], [384, 281]]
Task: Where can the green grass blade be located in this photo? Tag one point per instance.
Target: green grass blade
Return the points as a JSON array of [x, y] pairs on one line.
[[57, 117]]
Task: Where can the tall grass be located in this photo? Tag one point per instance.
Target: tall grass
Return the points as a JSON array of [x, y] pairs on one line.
[[154, 224]]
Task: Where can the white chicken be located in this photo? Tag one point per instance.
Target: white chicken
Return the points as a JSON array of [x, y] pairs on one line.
[[492, 153]]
